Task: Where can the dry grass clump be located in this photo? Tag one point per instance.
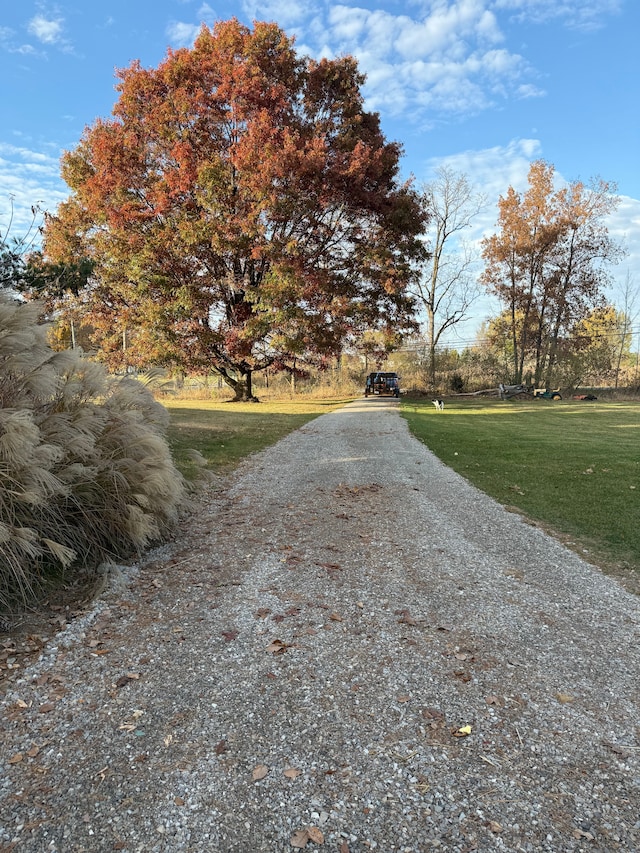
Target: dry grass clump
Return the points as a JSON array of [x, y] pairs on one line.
[[86, 474]]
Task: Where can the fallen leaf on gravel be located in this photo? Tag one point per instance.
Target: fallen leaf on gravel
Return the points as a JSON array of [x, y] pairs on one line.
[[335, 617], [344, 847], [315, 835], [229, 635], [16, 759], [564, 698], [463, 731], [579, 833], [48, 706], [262, 612], [402, 698], [619, 750], [35, 749], [406, 618], [220, 748], [292, 772], [494, 826], [432, 714], [463, 676], [277, 647], [259, 772], [300, 839], [492, 700], [98, 652], [178, 801]]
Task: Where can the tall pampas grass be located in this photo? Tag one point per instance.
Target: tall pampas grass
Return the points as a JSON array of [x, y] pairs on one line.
[[86, 474]]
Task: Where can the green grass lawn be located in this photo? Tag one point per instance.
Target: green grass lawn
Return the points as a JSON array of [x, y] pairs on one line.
[[573, 466], [227, 432]]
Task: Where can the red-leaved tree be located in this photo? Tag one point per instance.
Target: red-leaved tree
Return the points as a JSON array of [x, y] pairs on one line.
[[241, 209]]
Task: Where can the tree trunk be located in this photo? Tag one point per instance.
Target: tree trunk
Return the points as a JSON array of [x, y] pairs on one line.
[[242, 387], [431, 341]]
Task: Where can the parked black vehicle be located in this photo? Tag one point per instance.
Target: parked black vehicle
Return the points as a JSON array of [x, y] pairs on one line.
[[382, 384]]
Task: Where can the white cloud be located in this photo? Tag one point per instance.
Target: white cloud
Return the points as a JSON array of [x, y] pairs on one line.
[[529, 90], [182, 34], [287, 13], [48, 31], [492, 171], [624, 226], [449, 59]]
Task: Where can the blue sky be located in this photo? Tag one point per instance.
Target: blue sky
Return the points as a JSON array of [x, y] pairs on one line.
[[484, 86]]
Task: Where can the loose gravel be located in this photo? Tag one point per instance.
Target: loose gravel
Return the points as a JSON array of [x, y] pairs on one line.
[[349, 649]]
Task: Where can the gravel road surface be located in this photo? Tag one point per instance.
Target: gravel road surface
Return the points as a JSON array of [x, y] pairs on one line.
[[348, 649]]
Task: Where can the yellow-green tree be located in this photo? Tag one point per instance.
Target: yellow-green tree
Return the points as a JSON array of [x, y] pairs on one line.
[[599, 344]]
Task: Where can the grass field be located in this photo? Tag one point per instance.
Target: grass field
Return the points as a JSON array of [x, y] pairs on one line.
[[227, 432], [574, 466]]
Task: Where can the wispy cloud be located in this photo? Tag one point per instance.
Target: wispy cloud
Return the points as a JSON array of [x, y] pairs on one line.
[[9, 42], [576, 14], [28, 177]]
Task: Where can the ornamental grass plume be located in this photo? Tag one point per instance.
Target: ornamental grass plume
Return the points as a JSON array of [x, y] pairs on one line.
[[86, 474]]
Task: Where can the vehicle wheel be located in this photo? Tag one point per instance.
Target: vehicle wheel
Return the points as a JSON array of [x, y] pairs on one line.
[[557, 397]]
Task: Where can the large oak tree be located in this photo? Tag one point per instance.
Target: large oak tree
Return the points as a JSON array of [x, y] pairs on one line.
[[241, 209]]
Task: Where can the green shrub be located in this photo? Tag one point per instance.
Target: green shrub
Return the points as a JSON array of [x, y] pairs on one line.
[[86, 474]]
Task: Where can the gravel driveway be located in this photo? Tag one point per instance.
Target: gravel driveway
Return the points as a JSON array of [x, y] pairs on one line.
[[349, 649]]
